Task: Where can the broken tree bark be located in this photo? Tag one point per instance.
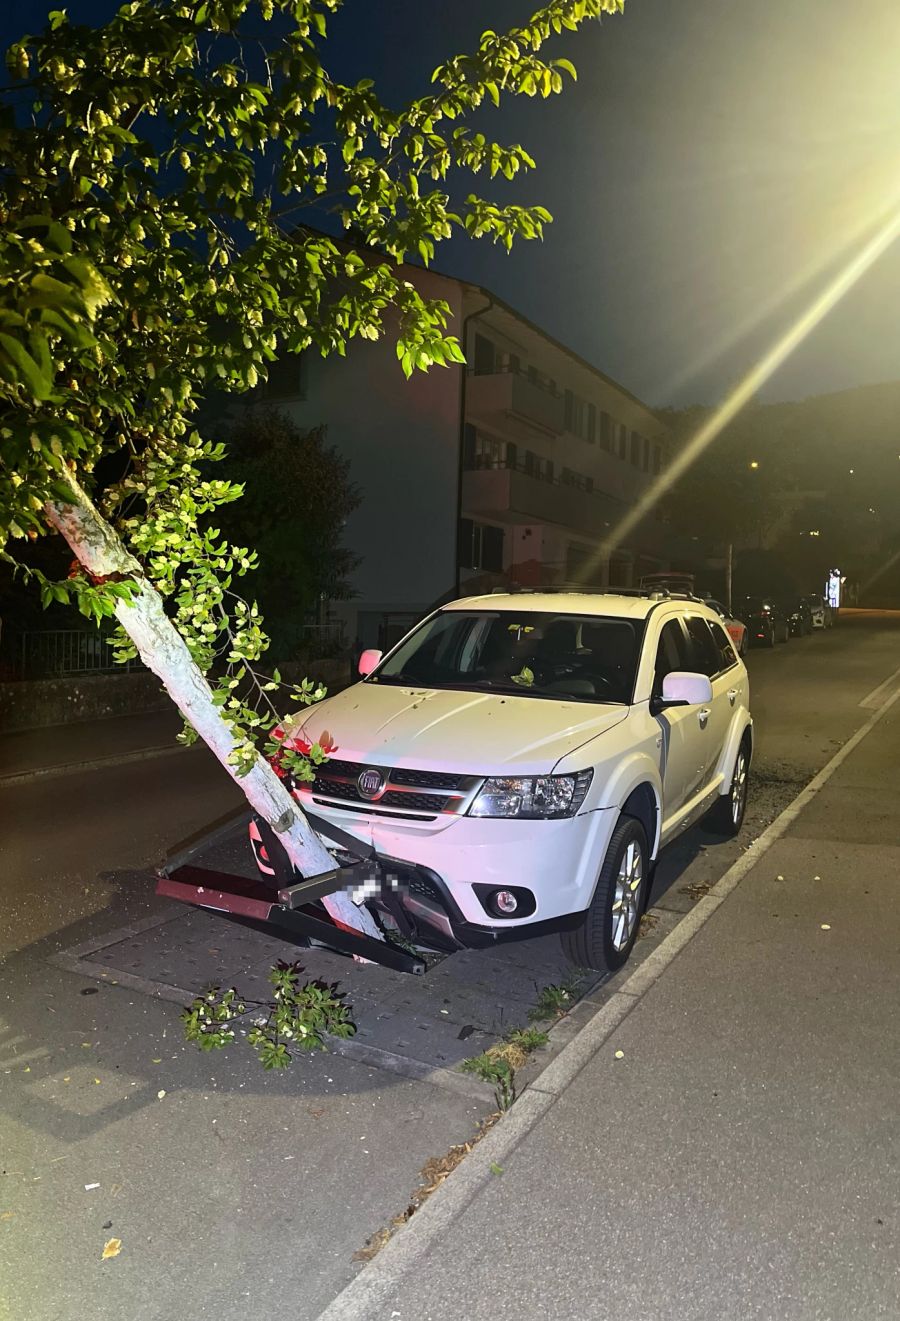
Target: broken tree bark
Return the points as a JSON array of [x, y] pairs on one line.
[[164, 651]]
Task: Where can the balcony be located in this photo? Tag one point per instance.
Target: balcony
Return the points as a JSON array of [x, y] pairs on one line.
[[510, 495], [496, 398]]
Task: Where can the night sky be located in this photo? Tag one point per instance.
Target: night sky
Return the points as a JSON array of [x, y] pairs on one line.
[[715, 162]]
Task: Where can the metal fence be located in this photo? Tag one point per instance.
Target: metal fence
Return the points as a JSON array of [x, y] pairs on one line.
[[321, 640], [53, 653]]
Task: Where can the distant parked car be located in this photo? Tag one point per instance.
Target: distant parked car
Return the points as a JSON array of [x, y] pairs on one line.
[[799, 616], [820, 611], [766, 621], [734, 627]]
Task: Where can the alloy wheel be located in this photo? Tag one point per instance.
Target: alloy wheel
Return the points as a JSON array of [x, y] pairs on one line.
[[739, 787], [627, 897]]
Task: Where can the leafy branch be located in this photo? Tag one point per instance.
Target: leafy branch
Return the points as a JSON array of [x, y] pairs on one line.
[[298, 1017]]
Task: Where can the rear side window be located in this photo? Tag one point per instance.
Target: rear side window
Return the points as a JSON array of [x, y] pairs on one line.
[[723, 643], [707, 659], [671, 654]]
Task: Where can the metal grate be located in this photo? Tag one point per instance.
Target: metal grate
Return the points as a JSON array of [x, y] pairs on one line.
[[425, 779]]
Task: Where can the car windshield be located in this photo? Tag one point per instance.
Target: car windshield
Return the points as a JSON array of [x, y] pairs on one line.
[[584, 658]]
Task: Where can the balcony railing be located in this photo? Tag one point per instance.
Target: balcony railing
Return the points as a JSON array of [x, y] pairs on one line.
[[534, 378], [577, 482], [512, 394]]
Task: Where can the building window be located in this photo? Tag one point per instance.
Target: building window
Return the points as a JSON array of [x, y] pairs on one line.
[[537, 466], [623, 441], [484, 357], [657, 458], [646, 455], [480, 546], [489, 452], [591, 424], [470, 445], [635, 449], [606, 431], [575, 409], [507, 362]]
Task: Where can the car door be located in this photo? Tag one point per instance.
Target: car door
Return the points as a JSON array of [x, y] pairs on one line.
[[713, 655], [684, 741]]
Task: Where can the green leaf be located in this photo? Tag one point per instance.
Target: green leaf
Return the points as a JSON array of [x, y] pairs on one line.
[[19, 366]]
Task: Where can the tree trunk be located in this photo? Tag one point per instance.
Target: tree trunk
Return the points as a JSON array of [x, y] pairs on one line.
[[164, 651]]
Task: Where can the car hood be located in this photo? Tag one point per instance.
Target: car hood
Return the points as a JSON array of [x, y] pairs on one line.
[[463, 733]]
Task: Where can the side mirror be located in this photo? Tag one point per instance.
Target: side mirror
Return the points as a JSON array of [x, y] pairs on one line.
[[684, 688], [368, 662]]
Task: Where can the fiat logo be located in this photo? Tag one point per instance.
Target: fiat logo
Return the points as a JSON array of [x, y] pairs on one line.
[[370, 784]]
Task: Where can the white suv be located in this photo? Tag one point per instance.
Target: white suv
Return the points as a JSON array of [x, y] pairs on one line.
[[517, 761]]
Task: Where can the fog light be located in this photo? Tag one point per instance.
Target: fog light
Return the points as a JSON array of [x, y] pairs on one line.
[[505, 901]]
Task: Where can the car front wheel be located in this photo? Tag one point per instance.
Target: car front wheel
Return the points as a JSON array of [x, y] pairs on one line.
[[606, 936]]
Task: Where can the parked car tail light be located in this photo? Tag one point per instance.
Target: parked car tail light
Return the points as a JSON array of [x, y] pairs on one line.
[[531, 796]]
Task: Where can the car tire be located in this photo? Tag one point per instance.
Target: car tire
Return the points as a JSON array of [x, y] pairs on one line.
[[770, 640], [727, 817], [603, 940]]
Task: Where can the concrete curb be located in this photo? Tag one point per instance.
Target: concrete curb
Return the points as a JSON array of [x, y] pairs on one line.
[[96, 764], [368, 1295]]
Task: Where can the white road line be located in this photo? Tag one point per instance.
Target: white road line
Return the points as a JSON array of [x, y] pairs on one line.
[[874, 699], [368, 1295]]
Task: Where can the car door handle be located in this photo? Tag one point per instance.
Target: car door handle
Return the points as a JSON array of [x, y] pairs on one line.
[[703, 716], [732, 695]]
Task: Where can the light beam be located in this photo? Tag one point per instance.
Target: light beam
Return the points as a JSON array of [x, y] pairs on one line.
[[744, 391]]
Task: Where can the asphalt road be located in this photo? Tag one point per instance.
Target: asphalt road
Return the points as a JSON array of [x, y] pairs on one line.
[[237, 1191]]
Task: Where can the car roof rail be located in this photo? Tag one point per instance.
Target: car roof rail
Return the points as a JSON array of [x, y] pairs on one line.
[[557, 589]]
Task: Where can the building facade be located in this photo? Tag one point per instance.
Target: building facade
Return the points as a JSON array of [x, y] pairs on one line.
[[516, 468]]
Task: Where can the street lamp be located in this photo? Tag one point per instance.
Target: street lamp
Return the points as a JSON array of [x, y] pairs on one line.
[[754, 464]]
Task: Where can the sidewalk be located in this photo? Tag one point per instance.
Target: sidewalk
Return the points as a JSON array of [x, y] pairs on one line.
[[723, 1141], [60, 749]]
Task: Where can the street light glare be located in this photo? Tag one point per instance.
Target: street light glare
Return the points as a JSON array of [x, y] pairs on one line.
[[851, 272]]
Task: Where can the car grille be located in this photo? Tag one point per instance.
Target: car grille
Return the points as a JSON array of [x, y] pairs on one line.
[[346, 770], [349, 793], [422, 795]]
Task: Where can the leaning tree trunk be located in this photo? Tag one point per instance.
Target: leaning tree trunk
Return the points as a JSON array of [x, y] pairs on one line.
[[164, 651]]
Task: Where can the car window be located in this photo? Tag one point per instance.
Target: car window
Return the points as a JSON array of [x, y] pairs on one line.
[[707, 659], [587, 658], [727, 657], [671, 654]]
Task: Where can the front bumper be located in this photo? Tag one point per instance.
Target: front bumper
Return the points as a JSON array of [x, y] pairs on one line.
[[455, 865]]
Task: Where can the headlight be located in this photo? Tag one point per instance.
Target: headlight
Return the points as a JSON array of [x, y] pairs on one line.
[[532, 796]]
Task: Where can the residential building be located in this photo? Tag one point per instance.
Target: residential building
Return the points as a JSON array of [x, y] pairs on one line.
[[516, 468]]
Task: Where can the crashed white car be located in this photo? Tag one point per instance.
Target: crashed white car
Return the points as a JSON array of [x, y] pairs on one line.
[[518, 761]]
